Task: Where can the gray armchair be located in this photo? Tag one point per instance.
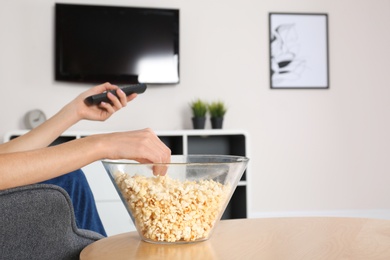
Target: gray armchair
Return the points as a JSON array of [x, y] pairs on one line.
[[37, 222]]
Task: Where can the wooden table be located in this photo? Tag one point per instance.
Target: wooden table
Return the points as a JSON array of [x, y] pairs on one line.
[[267, 238]]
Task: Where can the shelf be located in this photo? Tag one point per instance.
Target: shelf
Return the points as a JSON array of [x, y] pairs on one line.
[[223, 142]]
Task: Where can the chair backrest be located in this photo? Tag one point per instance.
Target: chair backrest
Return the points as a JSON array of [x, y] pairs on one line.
[[37, 222]]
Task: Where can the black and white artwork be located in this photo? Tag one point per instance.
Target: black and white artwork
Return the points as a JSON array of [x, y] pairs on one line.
[[298, 50]]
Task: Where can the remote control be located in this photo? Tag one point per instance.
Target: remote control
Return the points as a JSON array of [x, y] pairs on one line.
[[130, 89]]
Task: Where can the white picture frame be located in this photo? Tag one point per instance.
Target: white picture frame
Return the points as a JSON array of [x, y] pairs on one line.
[[298, 50]]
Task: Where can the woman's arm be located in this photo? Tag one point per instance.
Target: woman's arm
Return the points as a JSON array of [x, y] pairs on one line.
[[23, 168], [69, 115]]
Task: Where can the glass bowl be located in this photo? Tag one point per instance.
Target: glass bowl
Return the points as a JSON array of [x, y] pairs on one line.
[[178, 202]]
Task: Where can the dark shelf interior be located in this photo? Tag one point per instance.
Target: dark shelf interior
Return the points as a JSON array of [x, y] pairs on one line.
[[220, 144], [237, 205], [175, 143]]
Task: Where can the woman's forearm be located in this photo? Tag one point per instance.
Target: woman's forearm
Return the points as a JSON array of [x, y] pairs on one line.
[[44, 134], [69, 115], [28, 167], [23, 168]]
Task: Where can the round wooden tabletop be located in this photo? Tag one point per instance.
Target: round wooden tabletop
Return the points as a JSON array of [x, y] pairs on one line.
[[265, 238]]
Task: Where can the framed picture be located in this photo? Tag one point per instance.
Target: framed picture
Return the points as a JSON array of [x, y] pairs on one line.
[[298, 51]]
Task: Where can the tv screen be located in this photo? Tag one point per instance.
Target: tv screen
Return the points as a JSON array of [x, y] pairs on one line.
[[121, 45]]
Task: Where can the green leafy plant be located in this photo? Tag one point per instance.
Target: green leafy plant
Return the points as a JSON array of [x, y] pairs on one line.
[[199, 108], [217, 109]]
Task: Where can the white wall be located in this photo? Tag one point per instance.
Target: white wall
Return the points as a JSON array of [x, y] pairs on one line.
[[312, 151]]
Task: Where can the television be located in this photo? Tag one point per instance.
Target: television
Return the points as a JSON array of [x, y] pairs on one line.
[[117, 44]]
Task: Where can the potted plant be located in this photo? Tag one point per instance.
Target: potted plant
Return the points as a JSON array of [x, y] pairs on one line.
[[217, 112], [199, 111]]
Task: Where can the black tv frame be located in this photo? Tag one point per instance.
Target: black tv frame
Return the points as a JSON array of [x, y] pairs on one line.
[[113, 78]]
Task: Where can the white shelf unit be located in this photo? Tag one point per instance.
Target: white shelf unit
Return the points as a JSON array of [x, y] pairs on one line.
[[112, 212]]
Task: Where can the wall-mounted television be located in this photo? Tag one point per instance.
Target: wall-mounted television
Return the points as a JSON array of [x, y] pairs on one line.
[[117, 44]]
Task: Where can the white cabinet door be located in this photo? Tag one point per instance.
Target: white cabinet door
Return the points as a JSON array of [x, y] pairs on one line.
[[112, 212]]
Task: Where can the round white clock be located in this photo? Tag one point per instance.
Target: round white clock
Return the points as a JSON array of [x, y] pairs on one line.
[[34, 118]]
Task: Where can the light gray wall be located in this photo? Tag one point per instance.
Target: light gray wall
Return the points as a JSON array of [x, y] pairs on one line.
[[311, 150]]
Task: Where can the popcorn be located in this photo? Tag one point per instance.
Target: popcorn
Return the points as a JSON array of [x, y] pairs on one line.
[[169, 210]]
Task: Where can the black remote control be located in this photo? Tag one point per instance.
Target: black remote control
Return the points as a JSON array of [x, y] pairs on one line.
[[130, 89]]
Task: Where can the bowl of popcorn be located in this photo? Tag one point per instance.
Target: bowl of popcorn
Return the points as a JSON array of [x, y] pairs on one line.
[[177, 202]]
